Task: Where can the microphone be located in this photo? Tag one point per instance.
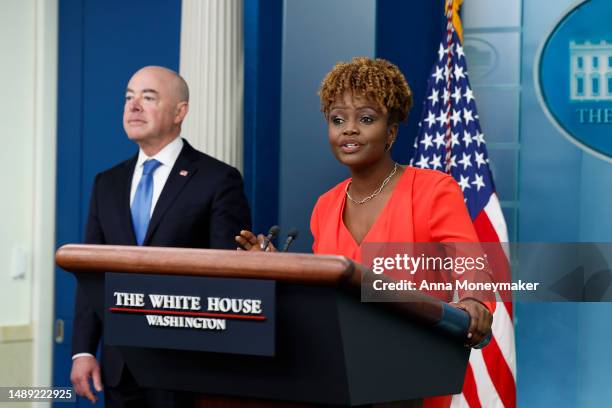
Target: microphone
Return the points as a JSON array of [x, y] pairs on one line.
[[272, 233], [290, 238]]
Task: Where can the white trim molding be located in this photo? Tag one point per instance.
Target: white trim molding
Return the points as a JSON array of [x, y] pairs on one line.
[[45, 141]]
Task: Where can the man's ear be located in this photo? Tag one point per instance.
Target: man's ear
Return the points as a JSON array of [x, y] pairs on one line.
[[182, 108]]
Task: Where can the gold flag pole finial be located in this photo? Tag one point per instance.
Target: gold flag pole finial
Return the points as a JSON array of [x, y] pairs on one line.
[[455, 5]]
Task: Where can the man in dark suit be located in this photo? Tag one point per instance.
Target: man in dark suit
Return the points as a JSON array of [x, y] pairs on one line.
[[168, 195]]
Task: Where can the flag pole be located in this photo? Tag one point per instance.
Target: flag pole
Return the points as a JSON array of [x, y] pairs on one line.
[[451, 8]]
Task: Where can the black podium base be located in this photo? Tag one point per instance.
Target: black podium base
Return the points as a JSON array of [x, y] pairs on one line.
[[209, 401]]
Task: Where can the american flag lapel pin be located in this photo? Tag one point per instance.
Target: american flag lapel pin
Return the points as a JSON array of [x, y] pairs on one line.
[[183, 173]]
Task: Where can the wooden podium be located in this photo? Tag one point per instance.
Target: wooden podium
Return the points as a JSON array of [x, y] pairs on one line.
[[331, 349]]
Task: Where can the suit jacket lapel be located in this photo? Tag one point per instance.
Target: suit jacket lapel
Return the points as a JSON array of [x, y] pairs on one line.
[[175, 183], [125, 213]]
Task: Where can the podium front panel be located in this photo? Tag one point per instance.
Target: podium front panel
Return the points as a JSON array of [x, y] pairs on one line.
[[330, 349]]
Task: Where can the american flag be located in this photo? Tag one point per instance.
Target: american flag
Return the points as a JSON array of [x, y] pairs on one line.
[[450, 139]]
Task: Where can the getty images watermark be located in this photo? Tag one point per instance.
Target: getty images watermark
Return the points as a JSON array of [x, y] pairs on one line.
[[489, 271]]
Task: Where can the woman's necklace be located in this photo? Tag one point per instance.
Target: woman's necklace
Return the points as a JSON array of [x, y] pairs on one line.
[[375, 193]]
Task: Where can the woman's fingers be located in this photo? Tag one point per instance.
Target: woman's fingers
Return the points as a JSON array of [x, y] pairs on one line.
[[264, 243], [247, 241], [480, 320]]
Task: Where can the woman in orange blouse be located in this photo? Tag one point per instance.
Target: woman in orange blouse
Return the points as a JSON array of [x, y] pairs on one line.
[[363, 102]]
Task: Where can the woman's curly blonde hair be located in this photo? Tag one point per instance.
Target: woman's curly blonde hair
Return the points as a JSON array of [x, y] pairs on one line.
[[376, 79]]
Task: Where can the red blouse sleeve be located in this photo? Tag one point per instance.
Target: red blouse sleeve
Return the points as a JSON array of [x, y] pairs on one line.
[[449, 221]]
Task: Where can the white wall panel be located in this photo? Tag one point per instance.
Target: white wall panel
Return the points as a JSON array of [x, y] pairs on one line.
[[17, 126], [28, 77]]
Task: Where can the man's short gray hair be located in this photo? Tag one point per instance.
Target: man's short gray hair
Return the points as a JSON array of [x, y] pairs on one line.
[[181, 88]]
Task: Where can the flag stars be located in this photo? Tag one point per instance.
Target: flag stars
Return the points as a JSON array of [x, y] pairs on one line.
[[422, 163], [450, 138], [479, 138], [464, 182], [478, 182], [443, 118], [457, 95], [454, 139], [456, 118], [438, 74], [434, 97], [445, 96], [458, 50], [441, 52], [480, 160], [468, 95], [465, 161], [439, 140], [467, 116], [436, 161], [427, 141], [467, 138], [458, 72], [431, 119], [447, 72]]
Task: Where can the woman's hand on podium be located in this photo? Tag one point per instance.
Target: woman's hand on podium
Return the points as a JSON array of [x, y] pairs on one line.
[[480, 320], [247, 241]]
